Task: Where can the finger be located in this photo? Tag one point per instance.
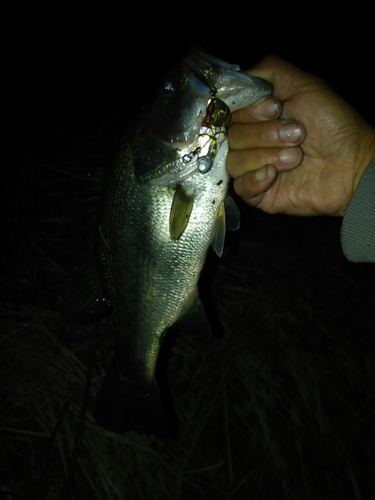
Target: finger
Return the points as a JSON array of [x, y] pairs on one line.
[[274, 133], [244, 160], [266, 108], [252, 186]]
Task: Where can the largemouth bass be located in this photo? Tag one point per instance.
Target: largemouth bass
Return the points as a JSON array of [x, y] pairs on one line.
[[163, 204]]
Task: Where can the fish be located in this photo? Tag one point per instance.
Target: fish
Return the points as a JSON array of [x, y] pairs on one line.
[[163, 203]]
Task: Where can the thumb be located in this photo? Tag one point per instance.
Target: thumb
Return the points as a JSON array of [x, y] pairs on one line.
[[284, 76], [265, 68]]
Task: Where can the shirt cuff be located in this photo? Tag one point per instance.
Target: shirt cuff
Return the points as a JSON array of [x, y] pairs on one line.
[[358, 227]]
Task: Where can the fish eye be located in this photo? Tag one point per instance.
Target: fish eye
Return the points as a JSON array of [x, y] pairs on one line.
[[169, 87]]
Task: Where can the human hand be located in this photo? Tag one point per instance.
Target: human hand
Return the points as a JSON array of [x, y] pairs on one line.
[[302, 152]]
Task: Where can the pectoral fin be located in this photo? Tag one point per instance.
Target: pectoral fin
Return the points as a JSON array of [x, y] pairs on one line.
[[181, 208], [218, 237], [232, 214], [228, 217]]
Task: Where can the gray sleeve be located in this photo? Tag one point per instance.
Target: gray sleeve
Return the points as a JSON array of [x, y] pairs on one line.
[[358, 227]]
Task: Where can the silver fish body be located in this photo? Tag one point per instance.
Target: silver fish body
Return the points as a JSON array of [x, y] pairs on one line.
[[162, 206]]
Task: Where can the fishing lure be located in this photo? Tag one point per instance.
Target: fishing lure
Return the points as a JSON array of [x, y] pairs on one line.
[[217, 117]]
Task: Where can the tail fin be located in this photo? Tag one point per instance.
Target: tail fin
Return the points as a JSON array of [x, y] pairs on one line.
[[123, 406]]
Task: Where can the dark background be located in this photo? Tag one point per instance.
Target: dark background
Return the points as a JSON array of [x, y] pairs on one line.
[[71, 66]]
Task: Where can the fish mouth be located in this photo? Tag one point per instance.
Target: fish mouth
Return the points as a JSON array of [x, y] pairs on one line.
[[210, 77], [224, 80], [201, 53]]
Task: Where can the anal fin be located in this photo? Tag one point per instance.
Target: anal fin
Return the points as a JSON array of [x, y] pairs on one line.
[[194, 320]]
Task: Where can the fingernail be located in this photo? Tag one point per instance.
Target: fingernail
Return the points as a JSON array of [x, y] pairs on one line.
[[262, 173], [268, 108], [290, 132], [288, 156]]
